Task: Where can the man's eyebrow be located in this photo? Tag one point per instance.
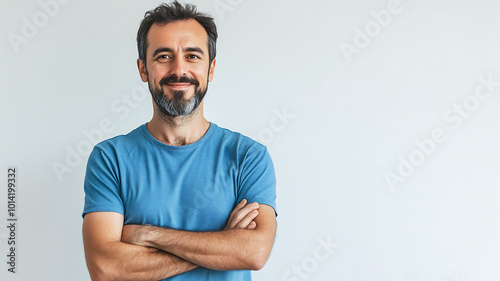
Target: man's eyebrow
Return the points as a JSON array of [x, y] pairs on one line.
[[169, 50], [161, 50], [194, 49]]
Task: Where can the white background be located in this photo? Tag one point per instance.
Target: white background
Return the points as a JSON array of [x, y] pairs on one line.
[[353, 118]]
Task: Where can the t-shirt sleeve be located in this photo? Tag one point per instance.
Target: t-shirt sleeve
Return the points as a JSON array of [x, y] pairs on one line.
[[101, 185], [257, 181]]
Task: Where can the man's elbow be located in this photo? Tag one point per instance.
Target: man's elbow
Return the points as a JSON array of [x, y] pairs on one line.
[[102, 271], [257, 265], [97, 275], [259, 258]]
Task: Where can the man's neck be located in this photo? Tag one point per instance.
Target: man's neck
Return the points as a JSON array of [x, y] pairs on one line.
[[180, 130]]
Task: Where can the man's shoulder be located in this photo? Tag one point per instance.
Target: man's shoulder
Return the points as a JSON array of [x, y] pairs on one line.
[[121, 142], [239, 140]]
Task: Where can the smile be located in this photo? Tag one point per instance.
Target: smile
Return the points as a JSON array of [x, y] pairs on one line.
[[178, 85]]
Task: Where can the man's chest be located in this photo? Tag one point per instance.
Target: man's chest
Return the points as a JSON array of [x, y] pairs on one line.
[[189, 197]]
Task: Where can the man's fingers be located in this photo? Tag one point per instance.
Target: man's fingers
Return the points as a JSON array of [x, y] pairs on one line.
[[132, 234], [243, 212], [252, 225], [245, 222], [238, 217], [237, 208]]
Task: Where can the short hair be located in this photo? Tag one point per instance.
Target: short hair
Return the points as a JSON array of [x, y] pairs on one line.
[[166, 13]]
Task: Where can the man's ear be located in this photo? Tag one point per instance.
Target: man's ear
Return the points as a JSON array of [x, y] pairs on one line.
[[211, 72], [142, 70]]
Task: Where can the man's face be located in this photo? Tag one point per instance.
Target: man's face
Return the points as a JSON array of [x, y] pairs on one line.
[[177, 66]]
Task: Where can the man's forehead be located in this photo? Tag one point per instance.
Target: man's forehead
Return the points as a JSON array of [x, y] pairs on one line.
[[177, 32]]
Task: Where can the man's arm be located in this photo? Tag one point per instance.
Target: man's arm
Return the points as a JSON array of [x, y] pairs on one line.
[[110, 259], [230, 249]]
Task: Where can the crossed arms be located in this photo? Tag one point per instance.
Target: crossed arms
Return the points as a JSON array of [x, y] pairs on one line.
[[137, 252]]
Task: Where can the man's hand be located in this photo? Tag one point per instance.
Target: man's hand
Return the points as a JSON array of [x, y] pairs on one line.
[[242, 217], [236, 247], [134, 234]]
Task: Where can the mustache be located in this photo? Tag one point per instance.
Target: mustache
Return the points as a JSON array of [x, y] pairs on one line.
[[177, 79]]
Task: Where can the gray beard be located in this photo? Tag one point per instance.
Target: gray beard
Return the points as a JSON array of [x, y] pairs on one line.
[[177, 106]]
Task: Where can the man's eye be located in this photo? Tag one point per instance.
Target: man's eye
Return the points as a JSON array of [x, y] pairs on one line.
[[163, 57], [193, 57]]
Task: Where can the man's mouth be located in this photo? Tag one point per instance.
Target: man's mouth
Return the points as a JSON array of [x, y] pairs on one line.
[[178, 85]]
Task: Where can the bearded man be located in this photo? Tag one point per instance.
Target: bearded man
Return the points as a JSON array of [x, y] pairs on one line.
[[178, 198]]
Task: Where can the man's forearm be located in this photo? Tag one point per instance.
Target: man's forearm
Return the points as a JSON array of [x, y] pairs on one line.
[[245, 242], [122, 261], [232, 249]]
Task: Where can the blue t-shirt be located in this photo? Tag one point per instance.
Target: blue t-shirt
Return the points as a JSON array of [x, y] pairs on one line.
[[192, 187]]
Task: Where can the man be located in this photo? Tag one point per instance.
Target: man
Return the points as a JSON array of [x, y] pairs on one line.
[[178, 198]]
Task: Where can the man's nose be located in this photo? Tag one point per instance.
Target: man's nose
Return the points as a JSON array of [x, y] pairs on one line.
[[179, 67]]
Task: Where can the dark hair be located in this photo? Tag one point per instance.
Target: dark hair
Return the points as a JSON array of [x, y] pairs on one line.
[[166, 13]]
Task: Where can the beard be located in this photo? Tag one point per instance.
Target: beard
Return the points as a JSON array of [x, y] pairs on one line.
[[177, 106]]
